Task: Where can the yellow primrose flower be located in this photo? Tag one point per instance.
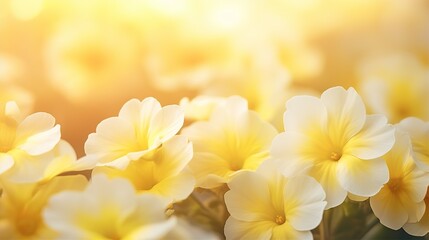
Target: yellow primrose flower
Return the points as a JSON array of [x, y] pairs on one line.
[[232, 140], [108, 209], [334, 140], [164, 173], [139, 129], [401, 200], [396, 86], [419, 133], [182, 57], [89, 58], [44, 167], [21, 206], [34, 135], [421, 227], [264, 87], [268, 204]]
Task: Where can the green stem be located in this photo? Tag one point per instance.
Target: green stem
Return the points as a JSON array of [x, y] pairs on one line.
[[369, 227], [323, 230], [206, 212]]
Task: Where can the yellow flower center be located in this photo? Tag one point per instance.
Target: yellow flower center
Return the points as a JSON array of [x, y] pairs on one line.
[[7, 134], [335, 156], [279, 219], [27, 223], [395, 184]]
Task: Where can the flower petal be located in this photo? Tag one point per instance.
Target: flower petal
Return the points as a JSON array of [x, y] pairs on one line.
[[360, 177], [41, 142], [314, 116], [249, 198], [236, 229], [374, 140], [173, 156], [419, 133], [304, 202], [228, 111], [35, 123], [6, 162], [388, 209], [326, 174], [177, 187], [140, 113], [152, 231], [286, 147], [420, 228], [286, 231], [346, 112], [114, 139], [165, 124], [209, 170]]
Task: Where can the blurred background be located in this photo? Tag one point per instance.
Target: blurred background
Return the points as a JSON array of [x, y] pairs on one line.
[[82, 60]]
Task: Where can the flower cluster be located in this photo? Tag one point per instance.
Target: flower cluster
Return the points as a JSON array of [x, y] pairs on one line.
[[150, 179], [188, 119]]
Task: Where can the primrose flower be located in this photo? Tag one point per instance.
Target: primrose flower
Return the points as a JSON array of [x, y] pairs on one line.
[[165, 173], [401, 200], [419, 133], [385, 78], [268, 204], [108, 209], [334, 140], [232, 140], [21, 206], [84, 59], [139, 129], [186, 58], [421, 227], [34, 135]]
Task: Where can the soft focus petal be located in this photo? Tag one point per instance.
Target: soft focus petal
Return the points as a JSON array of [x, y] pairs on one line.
[[6, 162], [35, 123], [152, 231], [419, 133], [236, 229], [228, 110], [41, 142]]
